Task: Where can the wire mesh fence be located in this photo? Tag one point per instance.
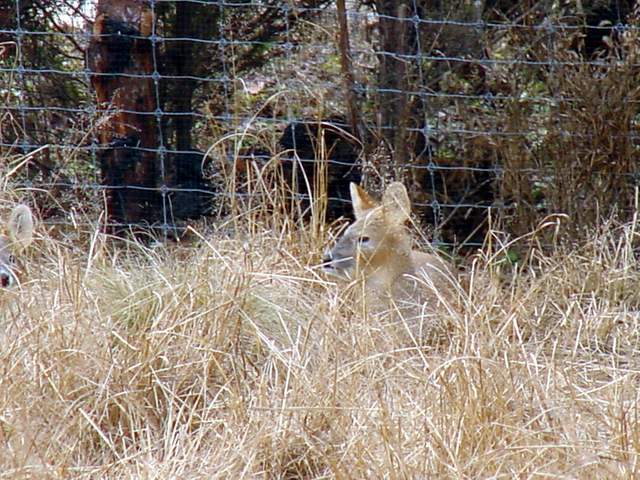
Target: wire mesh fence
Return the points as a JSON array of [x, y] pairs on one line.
[[163, 111]]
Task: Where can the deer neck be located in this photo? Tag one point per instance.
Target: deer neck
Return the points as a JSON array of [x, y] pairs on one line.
[[385, 275]]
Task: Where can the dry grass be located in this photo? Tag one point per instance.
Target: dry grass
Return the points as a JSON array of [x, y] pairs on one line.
[[234, 358]]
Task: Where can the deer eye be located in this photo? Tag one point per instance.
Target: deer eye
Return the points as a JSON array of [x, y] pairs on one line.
[[12, 259], [364, 239]]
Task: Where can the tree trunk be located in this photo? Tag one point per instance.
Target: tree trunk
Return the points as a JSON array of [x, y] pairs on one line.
[[182, 62], [119, 53], [393, 78]]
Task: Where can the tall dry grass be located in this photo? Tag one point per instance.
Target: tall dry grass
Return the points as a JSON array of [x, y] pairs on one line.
[[232, 357]]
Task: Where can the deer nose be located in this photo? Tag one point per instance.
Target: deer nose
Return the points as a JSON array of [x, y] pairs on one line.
[[5, 279]]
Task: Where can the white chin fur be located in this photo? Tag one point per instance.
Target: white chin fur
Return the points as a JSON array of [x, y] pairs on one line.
[[334, 272]]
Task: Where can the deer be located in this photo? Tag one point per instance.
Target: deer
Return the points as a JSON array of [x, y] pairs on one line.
[[19, 235], [376, 250]]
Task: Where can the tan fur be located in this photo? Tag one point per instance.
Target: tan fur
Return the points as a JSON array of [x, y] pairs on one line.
[[377, 246], [376, 249], [20, 234]]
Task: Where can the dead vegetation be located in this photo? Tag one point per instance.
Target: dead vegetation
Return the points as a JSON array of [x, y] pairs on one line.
[[233, 358], [230, 355]]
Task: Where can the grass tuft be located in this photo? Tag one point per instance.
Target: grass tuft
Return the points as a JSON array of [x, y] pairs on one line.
[[231, 357]]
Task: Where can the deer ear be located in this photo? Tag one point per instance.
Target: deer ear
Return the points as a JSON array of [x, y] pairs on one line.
[[21, 225], [361, 200], [396, 204]]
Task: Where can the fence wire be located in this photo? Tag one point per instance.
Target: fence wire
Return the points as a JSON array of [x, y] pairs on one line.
[[476, 106]]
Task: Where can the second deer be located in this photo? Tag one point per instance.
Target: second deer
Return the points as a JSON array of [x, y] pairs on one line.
[[19, 235]]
